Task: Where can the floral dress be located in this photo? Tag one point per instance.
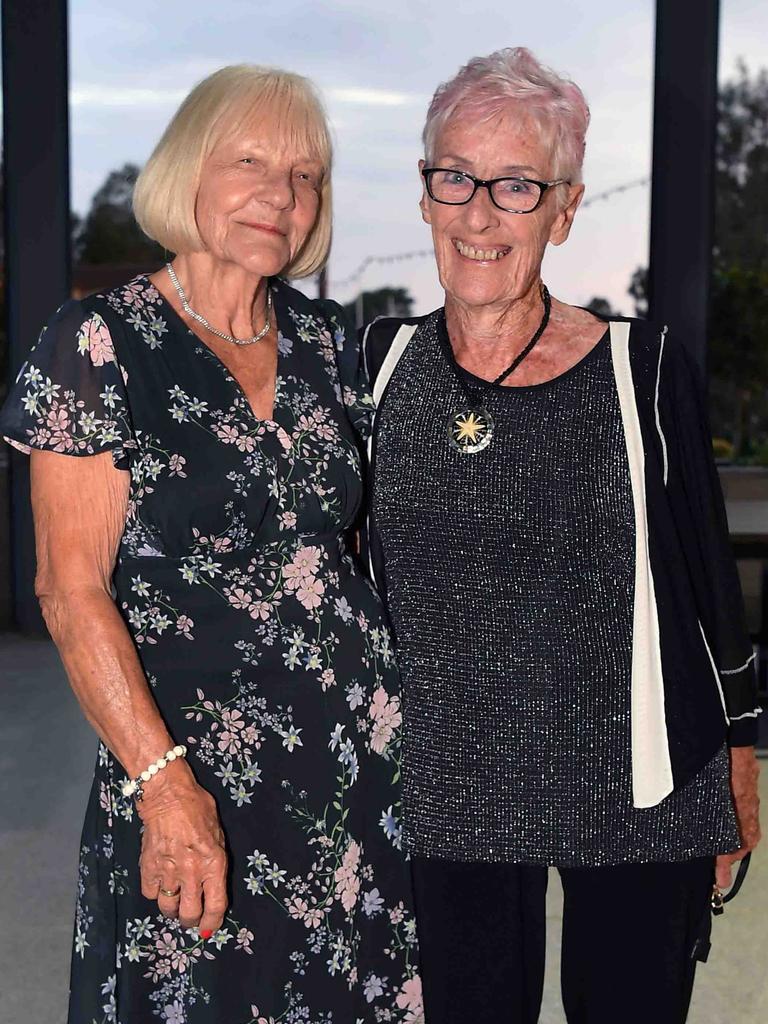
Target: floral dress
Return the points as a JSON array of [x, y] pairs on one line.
[[267, 654]]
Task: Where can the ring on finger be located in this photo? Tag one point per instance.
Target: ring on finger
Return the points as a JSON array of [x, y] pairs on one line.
[[170, 893]]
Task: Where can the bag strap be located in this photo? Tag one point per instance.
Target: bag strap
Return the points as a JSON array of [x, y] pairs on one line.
[[716, 907], [738, 881]]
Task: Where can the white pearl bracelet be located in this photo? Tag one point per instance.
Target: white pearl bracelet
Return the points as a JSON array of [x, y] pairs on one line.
[[135, 787]]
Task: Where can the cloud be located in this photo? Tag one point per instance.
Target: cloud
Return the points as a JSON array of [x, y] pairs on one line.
[[106, 96], [377, 65], [116, 96], [374, 97]]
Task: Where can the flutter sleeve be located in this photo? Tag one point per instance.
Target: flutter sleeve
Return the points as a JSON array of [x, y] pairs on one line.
[[70, 395], [353, 380]]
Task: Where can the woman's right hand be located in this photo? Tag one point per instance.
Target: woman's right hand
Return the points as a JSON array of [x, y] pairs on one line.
[[183, 846]]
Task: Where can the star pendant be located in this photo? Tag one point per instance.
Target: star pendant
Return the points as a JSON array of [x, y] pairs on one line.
[[469, 427], [470, 430]]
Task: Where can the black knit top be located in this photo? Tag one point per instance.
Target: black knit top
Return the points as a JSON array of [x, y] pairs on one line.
[[510, 584]]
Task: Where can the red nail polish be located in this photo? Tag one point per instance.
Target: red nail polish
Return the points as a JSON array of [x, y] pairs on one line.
[[206, 933]]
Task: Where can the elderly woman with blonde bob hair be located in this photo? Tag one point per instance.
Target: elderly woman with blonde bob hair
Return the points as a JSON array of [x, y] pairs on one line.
[[241, 858], [547, 522]]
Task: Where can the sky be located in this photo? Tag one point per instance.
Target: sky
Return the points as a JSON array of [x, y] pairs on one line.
[[377, 65]]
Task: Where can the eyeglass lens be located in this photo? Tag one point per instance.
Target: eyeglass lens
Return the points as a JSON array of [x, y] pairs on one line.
[[513, 194]]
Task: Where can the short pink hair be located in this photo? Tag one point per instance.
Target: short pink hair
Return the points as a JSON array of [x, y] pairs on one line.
[[486, 86]]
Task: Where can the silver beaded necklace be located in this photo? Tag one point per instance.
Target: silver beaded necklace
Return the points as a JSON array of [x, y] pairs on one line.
[[201, 319]]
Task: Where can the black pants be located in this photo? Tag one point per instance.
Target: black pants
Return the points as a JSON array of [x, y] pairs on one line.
[[628, 934]]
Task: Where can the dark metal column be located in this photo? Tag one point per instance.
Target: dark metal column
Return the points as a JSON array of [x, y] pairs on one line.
[[36, 154], [682, 190]]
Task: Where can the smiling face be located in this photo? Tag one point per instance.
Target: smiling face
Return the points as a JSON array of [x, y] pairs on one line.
[[485, 256], [258, 199]]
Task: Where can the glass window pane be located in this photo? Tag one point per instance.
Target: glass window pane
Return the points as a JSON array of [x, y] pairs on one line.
[[5, 495], [377, 68], [751, 576], [738, 343]]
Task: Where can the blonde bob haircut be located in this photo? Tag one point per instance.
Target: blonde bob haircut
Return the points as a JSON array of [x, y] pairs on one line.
[[229, 101]]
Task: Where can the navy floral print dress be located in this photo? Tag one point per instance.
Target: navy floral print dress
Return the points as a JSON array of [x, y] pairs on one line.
[[267, 654]]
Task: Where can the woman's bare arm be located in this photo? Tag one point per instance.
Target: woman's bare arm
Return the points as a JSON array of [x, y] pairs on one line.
[[79, 507], [745, 773]]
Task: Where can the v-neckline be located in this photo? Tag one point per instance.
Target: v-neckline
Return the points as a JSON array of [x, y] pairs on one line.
[[228, 375]]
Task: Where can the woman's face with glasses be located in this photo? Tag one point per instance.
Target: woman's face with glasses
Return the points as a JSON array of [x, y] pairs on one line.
[[488, 256]]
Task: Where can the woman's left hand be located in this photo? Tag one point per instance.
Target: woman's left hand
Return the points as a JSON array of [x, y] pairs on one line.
[[744, 775]]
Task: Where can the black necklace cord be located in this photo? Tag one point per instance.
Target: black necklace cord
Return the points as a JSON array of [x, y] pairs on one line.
[[547, 300], [475, 392]]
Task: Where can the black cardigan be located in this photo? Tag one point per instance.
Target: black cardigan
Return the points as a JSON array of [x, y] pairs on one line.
[[694, 682]]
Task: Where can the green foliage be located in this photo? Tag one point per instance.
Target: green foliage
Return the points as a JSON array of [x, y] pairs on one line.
[[738, 357], [738, 352], [738, 341], [741, 169], [109, 233], [722, 449], [739, 317]]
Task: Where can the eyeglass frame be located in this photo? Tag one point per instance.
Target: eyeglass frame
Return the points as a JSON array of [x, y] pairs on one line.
[[544, 186]]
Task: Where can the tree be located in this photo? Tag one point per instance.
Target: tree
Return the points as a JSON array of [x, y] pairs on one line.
[[738, 357], [638, 289], [741, 169], [382, 302], [109, 233], [601, 307], [741, 178], [738, 326]]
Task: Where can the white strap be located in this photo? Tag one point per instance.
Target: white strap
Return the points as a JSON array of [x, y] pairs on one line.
[[715, 673], [659, 430], [651, 763], [396, 350]]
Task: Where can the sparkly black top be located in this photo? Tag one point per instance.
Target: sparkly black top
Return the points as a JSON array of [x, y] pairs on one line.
[[510, 583]]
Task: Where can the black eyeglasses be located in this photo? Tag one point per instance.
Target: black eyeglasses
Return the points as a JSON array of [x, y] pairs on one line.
[[513, 195]]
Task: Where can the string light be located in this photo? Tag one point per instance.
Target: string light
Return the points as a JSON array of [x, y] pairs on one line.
[[370, 260], [424, 253], [614, 191]]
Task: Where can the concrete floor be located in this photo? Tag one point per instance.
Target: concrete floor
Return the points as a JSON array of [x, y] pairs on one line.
[[46, 757], [732, 987]]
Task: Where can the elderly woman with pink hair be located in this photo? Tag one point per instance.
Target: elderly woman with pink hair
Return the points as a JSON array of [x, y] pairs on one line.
[[548, 529]]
